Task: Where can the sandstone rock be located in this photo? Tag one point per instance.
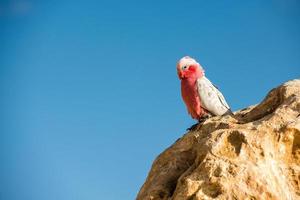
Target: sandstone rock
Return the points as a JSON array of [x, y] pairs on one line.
[[255, 155]]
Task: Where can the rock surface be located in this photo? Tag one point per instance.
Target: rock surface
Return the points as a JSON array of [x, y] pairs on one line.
[[255, 155]]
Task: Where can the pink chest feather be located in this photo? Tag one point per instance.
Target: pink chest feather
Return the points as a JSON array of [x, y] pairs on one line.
[[190, 97]]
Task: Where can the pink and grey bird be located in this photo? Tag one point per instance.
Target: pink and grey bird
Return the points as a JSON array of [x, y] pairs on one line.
[[201, 97]]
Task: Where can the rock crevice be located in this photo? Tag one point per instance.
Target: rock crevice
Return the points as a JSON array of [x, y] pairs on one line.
[[253, 155]]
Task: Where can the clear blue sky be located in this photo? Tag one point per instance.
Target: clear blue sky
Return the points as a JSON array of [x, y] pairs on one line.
[[89, 91]]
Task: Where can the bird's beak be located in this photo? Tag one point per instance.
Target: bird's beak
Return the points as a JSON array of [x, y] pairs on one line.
[[181, 74]]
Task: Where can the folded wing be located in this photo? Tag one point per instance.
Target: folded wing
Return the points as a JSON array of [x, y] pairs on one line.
[[211, 98]]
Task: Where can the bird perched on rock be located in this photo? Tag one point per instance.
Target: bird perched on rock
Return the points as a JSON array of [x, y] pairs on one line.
[[201, 97]]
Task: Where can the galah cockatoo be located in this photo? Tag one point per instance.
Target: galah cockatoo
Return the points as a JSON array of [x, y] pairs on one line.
[[201, 97]]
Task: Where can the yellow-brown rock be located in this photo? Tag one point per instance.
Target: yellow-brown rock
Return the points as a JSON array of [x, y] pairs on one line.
[[253, 155]]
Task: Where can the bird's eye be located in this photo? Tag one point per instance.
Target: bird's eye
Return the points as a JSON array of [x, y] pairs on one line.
[[184, 67]]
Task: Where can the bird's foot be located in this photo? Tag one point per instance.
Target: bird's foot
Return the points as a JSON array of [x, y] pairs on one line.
[[204, 117], [200, 121], [193, 127]]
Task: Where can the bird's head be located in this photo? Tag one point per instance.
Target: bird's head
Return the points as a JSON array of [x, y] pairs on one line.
[[188, 67]]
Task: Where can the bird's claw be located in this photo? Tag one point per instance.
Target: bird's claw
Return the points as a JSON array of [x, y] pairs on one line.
[[200, 121], [193, 127]]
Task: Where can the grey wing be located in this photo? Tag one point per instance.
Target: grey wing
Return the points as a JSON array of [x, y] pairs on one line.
[[211, 98]]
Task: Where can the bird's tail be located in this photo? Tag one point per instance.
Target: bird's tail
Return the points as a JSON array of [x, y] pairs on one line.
[[228, 112]]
